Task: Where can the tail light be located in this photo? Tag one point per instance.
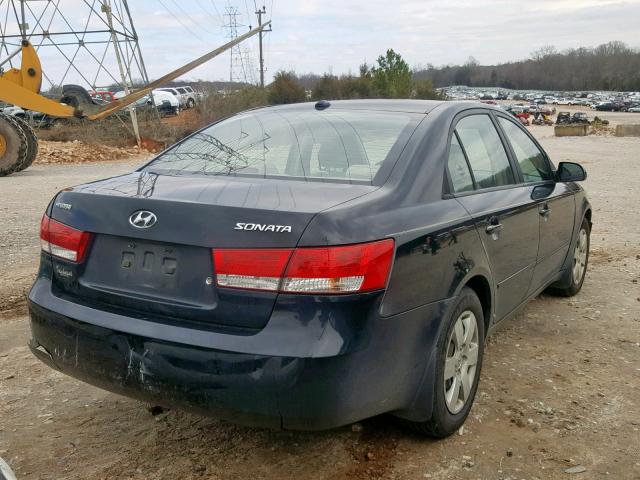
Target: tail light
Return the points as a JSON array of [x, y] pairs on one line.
[[326, 270], [63, 241]]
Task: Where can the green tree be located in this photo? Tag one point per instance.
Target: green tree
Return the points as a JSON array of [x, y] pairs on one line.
[[423, 89], [392, 77], [286, 89], [328, 88]]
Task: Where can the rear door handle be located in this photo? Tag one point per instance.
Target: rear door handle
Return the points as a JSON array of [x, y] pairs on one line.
[[545, 211], [493, 228]]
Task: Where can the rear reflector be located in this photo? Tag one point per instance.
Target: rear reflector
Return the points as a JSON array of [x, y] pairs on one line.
[[63, 241], [326, 270]]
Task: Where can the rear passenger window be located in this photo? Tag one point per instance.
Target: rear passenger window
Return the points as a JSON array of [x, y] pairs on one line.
[[486, 154], [533, 164], [458, 169]]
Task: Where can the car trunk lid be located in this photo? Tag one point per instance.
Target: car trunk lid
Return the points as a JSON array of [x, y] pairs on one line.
[[165, 272]]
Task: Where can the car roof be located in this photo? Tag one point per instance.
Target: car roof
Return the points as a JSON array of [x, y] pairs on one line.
[[408, 106]]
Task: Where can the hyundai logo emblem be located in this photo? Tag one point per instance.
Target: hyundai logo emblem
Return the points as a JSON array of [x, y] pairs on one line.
[[143, 219]]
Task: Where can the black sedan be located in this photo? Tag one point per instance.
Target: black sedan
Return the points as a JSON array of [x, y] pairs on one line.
[[311, 265]]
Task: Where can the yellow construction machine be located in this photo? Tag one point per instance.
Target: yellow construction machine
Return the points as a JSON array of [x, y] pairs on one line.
[[21, 87]]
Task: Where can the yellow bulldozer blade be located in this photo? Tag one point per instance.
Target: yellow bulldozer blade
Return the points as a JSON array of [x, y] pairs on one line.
[[18, 95], [22, 86]]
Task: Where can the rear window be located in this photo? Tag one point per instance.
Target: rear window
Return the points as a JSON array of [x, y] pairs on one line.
[[333, 146]]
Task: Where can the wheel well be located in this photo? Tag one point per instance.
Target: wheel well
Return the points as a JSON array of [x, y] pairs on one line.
[[481, 287], [587, 215]]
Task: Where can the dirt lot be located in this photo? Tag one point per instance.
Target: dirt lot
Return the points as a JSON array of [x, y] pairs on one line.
[[560, 386]]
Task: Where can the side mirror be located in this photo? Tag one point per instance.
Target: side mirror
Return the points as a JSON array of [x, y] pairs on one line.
[[570, 172]]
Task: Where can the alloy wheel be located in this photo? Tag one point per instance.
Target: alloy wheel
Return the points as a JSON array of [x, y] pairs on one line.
[[461, 361], [580, 256]]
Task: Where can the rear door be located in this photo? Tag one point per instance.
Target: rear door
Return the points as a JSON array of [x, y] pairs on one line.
[[505, 216], [555, 201]]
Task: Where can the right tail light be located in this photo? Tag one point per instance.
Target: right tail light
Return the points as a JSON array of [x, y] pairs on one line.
[[341, 269]]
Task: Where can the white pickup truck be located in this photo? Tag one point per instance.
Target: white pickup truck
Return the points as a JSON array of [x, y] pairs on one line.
[[187, 96]]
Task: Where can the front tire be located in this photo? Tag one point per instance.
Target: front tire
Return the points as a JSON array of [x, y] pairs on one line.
[[459, 361], [578, 271]]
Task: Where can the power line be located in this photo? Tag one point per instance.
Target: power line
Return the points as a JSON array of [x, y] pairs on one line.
[[195, 22], [206, 12], [181, 23], [218, 12]]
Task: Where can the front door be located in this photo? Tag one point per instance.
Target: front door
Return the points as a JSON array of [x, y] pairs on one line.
[[555, 202]]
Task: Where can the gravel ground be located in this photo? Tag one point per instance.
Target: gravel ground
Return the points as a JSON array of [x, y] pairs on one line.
[[560, 387]]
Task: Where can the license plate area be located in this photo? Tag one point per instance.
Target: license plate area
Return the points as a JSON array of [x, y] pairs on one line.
[[151, 272], [151, 265]]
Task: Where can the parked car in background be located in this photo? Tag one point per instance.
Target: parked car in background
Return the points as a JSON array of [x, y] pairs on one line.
[[561, 101], [606, 107], [165, 102], [580, 117], [12, 110], [635, 109], [563, 118], [626, 106], [187, 95], [104, 96], [308, 266]]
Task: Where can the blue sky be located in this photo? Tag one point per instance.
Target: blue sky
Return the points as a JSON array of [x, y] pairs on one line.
[[337, 36]]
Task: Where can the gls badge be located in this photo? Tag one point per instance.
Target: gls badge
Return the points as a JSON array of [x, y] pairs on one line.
[[252, 227]]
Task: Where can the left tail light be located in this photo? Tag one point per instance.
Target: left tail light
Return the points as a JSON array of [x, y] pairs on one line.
[[324, 270], [63, 241]]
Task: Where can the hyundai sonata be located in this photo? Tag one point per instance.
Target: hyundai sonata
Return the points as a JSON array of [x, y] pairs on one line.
[[310, 265]]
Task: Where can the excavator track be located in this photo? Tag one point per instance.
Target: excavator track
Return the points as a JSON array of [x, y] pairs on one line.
[[32, 144], [14, 145]]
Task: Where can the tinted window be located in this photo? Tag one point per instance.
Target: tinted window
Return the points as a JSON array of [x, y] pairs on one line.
[[182, 90], [485, 151], [306, 144], [458, 169], [533, 164]]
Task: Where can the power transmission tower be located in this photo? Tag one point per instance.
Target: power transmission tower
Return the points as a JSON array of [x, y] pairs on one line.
[[92, 43], [237, 67], [260, 13]]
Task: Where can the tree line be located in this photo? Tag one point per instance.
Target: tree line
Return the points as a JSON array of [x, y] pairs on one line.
[[390, 77], [610, 66]]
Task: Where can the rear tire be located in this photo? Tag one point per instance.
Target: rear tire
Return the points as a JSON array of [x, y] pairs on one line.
[[13, 145], [458, 364]]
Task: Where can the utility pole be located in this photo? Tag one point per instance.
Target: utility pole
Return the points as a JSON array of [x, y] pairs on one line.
[[259, 13]]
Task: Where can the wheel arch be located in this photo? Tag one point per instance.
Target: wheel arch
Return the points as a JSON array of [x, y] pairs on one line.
[[482, 288], [587, 215]]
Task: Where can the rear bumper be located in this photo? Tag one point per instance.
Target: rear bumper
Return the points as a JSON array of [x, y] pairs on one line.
[[367, 367]]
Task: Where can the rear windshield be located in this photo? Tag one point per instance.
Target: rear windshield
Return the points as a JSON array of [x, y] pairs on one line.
[[332, 146]]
